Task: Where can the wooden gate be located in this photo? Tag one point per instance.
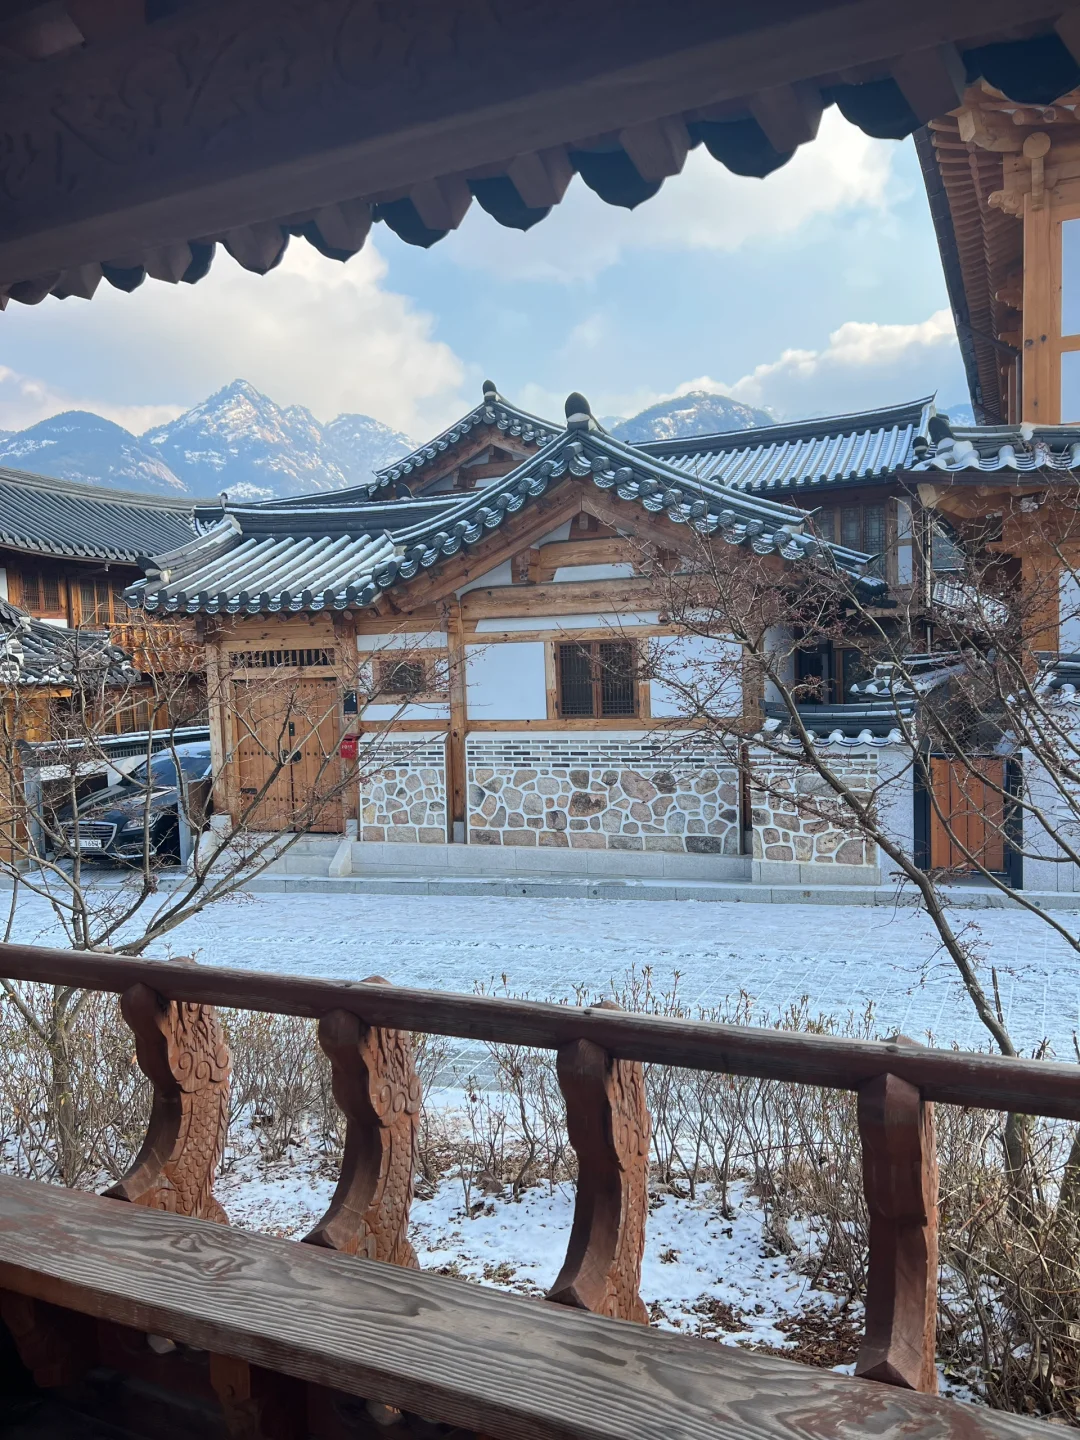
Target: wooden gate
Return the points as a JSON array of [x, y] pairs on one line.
[[969, 796], [298, 722]]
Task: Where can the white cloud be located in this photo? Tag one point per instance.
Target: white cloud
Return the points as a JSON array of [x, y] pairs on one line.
[[314, 333], [704, 208], [24, 400], [864, 364]]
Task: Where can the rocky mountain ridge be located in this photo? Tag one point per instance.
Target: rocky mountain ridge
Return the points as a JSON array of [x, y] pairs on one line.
[[238, 440], [242, 442]]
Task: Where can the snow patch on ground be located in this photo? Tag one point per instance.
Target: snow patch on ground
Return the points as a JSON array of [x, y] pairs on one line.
[[702, 1274]]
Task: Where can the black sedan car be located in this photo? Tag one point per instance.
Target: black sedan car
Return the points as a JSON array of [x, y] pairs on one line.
[[109, 824]]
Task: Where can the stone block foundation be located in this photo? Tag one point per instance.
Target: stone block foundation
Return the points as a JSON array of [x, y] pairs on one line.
[[601, 792], [404, 798]]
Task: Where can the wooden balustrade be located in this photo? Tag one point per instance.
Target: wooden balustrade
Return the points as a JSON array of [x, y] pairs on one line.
[[366, 1031], [159, 647]]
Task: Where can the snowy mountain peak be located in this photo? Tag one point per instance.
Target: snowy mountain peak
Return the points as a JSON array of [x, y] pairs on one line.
[[242, 441], [698, 412]]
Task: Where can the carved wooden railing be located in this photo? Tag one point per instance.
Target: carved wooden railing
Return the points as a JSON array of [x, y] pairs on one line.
[[365, 1029]]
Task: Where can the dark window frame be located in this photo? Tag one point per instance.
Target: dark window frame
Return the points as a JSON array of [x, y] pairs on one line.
[[612, 696], [860, 525]]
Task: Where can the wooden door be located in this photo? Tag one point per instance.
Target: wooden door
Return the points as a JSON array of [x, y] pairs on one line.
[[968, 794], [315, 768], [261, 735]]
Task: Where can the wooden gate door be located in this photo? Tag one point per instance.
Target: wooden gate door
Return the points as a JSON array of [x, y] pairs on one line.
[[968, 794], [297, 721], [315, 768], [261, 732]]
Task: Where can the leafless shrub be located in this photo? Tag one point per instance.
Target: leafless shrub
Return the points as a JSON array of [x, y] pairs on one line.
[[83, 1124]]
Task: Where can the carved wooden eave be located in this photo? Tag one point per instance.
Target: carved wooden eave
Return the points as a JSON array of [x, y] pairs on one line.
[[136, 135], [983, 163]]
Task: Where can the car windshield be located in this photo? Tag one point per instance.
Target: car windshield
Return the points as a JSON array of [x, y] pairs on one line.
[[194, 764]]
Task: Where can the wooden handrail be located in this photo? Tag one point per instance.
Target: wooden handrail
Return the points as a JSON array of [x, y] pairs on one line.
[[365, 1029], [954, 1077]]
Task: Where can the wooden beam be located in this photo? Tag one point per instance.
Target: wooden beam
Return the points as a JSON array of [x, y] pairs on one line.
[[221, 117], [564, 597], [952, 1077], [457, 1354], [1041, 402]]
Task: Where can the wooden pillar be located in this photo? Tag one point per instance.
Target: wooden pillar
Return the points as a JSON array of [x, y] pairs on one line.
[[900, 1177], [1040, 598], [218, 694], [609, 1127], [181, 1048], [455, 749], [376, 1086], [1042, 317]]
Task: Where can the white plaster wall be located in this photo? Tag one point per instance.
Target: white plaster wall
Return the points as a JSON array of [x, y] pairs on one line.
[[404, 640], [570, 622], [385, 710], [896, 803], [780, 639], [621, 570], [1044, 865], [711, 668], [507, 681], [1069, 613], [3, 584]]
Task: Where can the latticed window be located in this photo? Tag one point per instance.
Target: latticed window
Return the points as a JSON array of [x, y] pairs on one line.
[[858, 527], [596, 678], [95, 602], [404, 677], [40, 592], [411, 674], [272, 659]]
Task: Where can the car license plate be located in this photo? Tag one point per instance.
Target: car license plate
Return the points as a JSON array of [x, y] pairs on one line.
[[87, 842]]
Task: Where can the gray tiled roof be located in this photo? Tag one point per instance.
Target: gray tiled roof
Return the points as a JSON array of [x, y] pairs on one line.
[[992, 448], [59, 517], [804, 455], [862, 721], [262, 559], [493, 410], [34, 653]]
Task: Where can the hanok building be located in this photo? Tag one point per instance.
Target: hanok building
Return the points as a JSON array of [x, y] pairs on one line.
[[67, 553], [485, 628]]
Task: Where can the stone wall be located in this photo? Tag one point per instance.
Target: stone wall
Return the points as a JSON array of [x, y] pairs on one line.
[[405, 797], [789, 835], [602, 793]]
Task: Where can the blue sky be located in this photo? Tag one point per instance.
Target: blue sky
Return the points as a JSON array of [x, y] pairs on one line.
[[816, 290]]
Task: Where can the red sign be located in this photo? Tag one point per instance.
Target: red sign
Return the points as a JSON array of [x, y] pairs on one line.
[[347, 748]]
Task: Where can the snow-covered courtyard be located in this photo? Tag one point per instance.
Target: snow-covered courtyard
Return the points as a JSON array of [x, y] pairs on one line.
[[841, 958]]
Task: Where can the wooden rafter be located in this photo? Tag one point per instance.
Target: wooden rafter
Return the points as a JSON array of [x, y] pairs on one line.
[[128, 147]]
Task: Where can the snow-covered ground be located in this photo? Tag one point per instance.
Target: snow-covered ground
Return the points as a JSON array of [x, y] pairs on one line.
[[703, 1274], [840, 958]]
